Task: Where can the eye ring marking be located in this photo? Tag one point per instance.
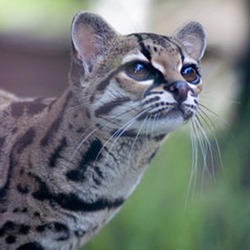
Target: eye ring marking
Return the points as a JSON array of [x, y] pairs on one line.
[[191, 74]]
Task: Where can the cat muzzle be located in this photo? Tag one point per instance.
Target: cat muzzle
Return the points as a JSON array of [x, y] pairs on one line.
[[179, 89]]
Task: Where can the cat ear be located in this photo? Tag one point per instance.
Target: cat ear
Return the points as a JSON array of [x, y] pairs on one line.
[[193, 37], [91, 37]]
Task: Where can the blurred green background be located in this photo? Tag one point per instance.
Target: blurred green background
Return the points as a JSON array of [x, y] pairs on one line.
[[165, 211]]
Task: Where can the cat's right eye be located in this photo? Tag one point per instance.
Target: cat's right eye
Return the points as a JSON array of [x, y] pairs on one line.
[[139, 71]]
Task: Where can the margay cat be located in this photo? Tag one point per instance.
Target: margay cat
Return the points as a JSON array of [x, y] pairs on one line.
[[68, 164]]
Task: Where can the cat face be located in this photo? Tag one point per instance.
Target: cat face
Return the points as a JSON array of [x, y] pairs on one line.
[[140, 83]]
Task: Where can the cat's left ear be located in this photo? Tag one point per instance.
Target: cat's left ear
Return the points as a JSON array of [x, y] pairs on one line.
[[91, 38], [193, 37]]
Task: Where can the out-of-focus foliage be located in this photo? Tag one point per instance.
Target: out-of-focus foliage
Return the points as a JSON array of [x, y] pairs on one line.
[[39, 18]]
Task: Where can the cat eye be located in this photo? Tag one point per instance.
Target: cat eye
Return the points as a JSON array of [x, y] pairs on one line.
[[191, 74], [139, 71]]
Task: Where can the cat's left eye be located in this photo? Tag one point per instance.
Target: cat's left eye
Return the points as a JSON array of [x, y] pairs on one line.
[[138, 70], [191, 74]]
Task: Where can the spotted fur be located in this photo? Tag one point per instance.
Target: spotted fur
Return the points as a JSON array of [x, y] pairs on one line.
[[68, 164]]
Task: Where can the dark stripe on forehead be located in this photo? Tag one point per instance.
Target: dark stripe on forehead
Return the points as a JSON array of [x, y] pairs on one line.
[[143, 50], [170, 40], [160, 39]]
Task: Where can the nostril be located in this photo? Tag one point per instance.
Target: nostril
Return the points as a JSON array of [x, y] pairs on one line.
[[179, 89]]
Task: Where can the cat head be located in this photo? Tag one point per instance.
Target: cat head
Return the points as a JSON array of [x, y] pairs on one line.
[[140, 83]]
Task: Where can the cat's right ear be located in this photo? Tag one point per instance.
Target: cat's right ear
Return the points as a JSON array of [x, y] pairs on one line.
[[91, 38]]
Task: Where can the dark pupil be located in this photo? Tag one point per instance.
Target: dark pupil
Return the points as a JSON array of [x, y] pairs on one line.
[[138, 67], [190, 74], [140, 71], [137, 71]]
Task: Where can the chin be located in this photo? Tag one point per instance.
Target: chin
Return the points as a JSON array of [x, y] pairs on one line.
[[172, 122], [163, 124]]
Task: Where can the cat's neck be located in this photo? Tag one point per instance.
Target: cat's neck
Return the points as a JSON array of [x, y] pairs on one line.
[[89, 154]]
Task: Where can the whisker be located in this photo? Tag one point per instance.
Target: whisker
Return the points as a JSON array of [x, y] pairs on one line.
[[136, 137], [206, 147], [201, 142], [194, 168], [83, 140], [210, 126], [211, 113], [153, 121], [118, 134], [125, 112], [84, 103]]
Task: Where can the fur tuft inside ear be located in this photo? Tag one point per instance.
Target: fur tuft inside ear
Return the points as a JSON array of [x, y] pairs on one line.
[[91, 37], [193, 37]]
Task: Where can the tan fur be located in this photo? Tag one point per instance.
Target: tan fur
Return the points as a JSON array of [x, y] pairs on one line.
[[67, 164]]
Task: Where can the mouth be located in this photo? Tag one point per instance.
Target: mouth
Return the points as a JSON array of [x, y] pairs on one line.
[[164, 119], [175, 112]]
